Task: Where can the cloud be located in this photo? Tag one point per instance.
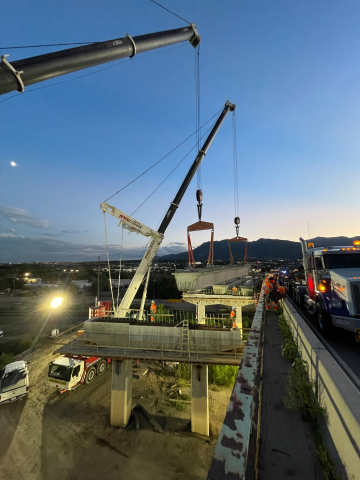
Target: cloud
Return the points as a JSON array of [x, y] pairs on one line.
[[53, 234], [75, 231], [46, 249], [18, 215]]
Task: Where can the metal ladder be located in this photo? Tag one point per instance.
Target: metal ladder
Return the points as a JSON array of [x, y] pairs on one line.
[[185, 340]]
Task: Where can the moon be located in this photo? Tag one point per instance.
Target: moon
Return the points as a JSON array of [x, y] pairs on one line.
[[13, 164]]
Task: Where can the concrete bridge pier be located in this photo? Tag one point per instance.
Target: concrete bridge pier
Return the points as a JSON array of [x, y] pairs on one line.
[[199, 399], [121, 393], [201, 312]]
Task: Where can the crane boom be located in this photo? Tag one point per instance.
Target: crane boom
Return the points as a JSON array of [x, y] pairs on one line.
[[21, 73], [157, 239]]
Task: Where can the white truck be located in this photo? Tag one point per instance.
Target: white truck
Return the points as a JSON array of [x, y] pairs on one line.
[[332, 286], [68, 372], [14, 381]]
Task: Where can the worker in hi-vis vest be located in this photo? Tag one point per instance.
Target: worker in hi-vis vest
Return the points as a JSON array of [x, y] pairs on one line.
[[233, 316], [234, 289], [153, 310]]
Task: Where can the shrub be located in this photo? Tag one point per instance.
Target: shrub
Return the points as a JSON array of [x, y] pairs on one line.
[[222, 375], [5, 358], [180, 407]]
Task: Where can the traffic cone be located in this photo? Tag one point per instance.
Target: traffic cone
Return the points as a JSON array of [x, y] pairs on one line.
[[268, 306], [275, 306]]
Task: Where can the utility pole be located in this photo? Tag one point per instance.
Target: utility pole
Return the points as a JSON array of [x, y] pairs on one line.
[[15, 279]]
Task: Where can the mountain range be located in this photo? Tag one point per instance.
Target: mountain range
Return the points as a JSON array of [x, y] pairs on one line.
[[262, 249]]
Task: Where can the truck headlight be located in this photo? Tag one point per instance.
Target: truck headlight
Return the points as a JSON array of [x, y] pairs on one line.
[[336, 304]]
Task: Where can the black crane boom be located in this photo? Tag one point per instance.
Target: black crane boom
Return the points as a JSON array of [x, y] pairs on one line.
[[21, 73]]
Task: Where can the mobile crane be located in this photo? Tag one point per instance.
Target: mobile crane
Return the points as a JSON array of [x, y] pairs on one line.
[[21, 73], [332, 286], [134, 225]]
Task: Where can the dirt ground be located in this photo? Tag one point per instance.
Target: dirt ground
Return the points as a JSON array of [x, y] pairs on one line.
[[68, 437]]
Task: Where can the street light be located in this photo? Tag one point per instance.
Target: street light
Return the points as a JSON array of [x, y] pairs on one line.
[[57, 301], [27, 274]]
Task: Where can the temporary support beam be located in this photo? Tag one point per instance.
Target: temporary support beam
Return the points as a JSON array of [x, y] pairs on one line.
[[199, 400], [121, 393]]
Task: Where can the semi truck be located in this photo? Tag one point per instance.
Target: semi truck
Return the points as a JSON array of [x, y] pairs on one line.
[[331, 290], [14, 381], [70, 371]]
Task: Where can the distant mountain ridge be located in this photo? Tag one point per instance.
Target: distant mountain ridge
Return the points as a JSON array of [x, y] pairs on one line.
[[262, 249]]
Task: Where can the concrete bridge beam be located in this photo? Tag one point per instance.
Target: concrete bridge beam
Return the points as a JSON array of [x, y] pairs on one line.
[[121, 393], [199, 400]]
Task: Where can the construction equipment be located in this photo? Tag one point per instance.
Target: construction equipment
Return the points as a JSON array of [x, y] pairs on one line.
[[134, 225], [332, 289], [238, 239], [70, 371], [21, 73], [14, 381], [195, 227]]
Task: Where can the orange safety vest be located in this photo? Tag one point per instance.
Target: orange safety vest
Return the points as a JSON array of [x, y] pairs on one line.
[[232, 314], [153, 308]]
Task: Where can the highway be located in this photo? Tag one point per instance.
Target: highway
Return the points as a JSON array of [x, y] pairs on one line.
[[341, 344]]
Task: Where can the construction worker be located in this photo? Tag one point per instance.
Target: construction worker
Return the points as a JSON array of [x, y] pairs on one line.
[[234, 290], [153, 310], [233, 317]]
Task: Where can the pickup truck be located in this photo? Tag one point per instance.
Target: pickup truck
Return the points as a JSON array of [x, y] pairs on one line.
[[14, 381]]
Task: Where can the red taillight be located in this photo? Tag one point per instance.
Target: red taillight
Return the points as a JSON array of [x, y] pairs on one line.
[[311, 286]]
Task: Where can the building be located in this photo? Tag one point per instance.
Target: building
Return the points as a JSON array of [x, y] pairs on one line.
[[33, 280], [81, 284]]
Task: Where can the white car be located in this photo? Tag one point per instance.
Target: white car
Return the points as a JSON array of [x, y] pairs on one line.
[[14, 381]]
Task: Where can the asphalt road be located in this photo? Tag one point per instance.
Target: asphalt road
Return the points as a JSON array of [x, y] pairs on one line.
[[341, 344]]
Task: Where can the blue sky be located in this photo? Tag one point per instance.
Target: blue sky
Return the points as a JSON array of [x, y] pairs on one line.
[[292, 68]]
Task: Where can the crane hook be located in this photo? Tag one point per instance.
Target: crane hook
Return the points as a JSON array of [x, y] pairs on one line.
[[199, 197], [237, 225]]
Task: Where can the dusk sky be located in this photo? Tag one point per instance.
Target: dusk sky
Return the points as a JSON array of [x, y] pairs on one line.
[[291, 67]]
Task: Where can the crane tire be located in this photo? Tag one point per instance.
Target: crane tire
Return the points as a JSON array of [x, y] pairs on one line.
[[90, 375], [101, 367]]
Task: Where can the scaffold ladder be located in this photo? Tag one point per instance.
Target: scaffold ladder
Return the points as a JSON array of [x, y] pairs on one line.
[[185, 340]]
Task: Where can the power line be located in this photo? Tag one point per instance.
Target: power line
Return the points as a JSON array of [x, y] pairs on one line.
[[161, 159], [172, 171], [170, 11]]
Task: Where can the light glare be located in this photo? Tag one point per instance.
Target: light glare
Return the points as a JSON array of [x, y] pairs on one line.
[[56, 302], [13, 164]]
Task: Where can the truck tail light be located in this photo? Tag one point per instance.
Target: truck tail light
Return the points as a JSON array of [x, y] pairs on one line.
[[322, 287], [311, 285]]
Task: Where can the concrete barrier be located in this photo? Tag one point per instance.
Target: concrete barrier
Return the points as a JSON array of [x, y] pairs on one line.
[[336, 393]]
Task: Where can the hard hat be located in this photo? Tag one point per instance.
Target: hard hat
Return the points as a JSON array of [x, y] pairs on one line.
[[234, 308], [152, 301]]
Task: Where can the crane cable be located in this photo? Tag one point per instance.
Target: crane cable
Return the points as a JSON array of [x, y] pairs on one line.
[[235, 165], [107, 252], [121, 252], [161, 159], [197, 110]]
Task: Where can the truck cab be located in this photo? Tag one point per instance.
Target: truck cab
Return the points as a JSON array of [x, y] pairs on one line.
[[68, 372], [14, 381], [332, 286]]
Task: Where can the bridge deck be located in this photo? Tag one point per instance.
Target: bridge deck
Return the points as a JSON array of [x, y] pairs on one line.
[[195, 354]]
